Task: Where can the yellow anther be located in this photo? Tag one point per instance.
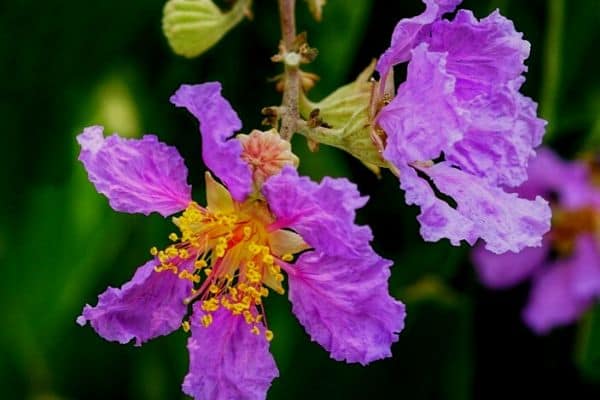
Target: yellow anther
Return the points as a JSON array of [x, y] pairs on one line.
[[251, 264], [154, 251], [253, 248], [264, 292], [162, 257], [186, 326], [268, 259], [210, 305], [247, 232], [287, 257], [200, 264], [206, 320], [221, 240], [279, 278], [220, 251], [255, 330], [265, 250], [213, 289], [269, 335], [233, 292], [208, 271], [183, 253], [173, 237], [248, 317], [171, 251]]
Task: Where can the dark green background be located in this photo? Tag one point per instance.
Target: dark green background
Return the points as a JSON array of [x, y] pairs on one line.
[[68, 64]]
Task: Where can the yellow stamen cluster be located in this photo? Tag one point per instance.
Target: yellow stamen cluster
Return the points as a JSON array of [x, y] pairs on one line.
[[227, 258]]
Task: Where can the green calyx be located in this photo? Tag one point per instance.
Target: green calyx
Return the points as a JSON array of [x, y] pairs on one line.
[[344, 119], [194, 26]]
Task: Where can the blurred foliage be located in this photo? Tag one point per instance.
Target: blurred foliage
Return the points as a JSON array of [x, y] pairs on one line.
[[69, 64]]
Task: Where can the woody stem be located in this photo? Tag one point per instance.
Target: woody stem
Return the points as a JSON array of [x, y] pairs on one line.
[[291, 92]]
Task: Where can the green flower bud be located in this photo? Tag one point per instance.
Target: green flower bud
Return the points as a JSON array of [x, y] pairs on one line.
[[344, 119], [194, 26]]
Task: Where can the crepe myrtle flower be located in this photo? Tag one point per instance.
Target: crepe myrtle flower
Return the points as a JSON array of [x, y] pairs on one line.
[[458, 131], [565, 270], [228, 255]]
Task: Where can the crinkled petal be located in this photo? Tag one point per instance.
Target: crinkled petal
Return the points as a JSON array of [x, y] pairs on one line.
[[503, 220], [438, 220], [323, 214], [503, 131], [482, 53], [136, 175], [149, 305], [218, 122], [552, 301], [410, 31], [344, 305], [227, 361], [423, 119], [499, 271]]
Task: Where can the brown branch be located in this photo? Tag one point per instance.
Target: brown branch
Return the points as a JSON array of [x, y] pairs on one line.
[[291, 78]]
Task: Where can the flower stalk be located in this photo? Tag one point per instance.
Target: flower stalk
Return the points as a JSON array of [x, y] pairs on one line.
[[291, 79]]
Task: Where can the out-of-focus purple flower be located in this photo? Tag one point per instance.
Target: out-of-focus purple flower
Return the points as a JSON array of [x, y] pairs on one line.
[[229, 254], [565, 271], [459, 126]]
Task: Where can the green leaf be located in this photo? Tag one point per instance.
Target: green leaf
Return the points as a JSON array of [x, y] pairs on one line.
[[588, 346]]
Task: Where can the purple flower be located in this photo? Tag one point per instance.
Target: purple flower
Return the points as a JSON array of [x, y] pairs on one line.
[[565, 270], [458, 126], [231, 253]]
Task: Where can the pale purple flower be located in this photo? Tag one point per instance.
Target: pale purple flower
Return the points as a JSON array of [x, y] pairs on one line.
[[229, 254], [459, 126], [565, 270]]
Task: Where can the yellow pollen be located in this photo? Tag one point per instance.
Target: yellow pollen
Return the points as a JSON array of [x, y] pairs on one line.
[[154, 251], [213, 289], [208, 271], [287, 257], [269, 335], [186, 326], [173, 237], [255, 330], [268, 259], [206, 320], [200, 264]]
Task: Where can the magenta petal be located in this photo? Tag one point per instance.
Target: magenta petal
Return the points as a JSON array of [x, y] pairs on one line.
[[343, 303], [424, 118], [569, 181], [500, 271], [409, 31], [586, 267], [149, 305], [218, 122], [227, 361], [480, 53], [552, 301], [503, 220], [323, 214], [137, 175]]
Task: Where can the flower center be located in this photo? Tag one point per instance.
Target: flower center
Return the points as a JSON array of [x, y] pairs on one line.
[[568, 224], [228, 258]]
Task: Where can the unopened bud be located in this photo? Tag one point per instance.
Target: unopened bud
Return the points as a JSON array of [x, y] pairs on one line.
[[266, 153], [194, 26]]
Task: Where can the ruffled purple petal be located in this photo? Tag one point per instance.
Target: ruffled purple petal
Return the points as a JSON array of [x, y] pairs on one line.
[[227, 361], [149, 305], [410, 31], [323, 214], [344, 305], [137, 175], [218, 122], [503, 220], [438, 220], [481, 54], [423, 119], [499, 271], [552, 301], [502, 132]]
